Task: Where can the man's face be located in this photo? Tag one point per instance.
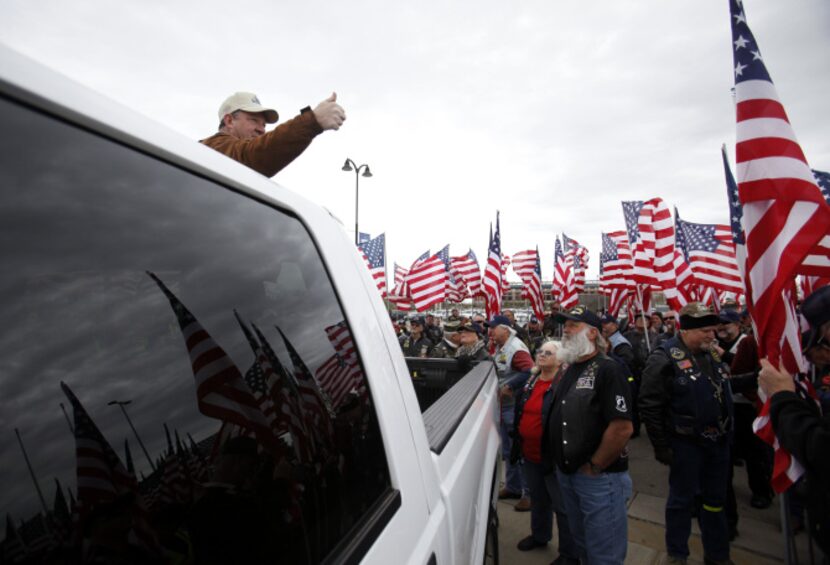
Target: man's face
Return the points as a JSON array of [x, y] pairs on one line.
[[500, 334], [417, 329], [670, 325], [609, 329], [728, 332], [533, 326], [700, 339], [640, 323], [244, 125], [455, 312], [656, 321], [467, 338], [510, 316]]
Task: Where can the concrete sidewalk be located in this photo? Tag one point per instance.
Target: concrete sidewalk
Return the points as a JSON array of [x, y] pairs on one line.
[[759, 540]]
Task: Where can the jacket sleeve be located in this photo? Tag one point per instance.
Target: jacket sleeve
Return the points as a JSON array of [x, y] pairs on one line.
[[655, 397], [268, 154], [801, 431]]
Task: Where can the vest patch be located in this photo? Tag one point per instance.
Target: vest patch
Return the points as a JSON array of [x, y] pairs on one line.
[[621, 406], [684, 364], [585, 382], [677, 353]]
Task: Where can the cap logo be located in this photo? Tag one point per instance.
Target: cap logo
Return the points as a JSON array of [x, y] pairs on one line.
[[255, 100], [579, 310]]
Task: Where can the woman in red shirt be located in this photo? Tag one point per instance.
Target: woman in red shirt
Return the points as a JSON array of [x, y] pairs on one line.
[[532, 407]]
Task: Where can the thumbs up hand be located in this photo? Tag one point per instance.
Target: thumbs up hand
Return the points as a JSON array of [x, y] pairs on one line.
[[329, 114]]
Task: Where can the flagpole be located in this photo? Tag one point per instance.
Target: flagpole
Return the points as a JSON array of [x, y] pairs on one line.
[[68, 421], [32, 472], [643, 314]]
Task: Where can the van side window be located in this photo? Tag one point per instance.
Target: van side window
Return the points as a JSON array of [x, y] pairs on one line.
[[178, 382]]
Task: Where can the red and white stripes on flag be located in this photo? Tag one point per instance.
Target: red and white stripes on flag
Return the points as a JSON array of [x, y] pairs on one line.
[[711, 254], [221, 390], [341, 373], [562, 291], [492, 278], [427, 282], [656, 260], [526, 264], [616, 269], [466, 270], [374, 255], [576, 255], [785, 216]]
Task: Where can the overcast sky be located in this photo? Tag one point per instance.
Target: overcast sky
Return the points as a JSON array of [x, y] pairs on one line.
[[545, 110]]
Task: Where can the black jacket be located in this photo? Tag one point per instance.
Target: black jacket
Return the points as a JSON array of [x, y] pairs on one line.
[[803, 432], [676, 395], [521, 400]]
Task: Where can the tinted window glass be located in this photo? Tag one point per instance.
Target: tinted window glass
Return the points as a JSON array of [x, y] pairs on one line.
[[173, 362]]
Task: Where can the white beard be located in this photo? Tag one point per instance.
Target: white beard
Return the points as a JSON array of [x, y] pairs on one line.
[[574, 347]]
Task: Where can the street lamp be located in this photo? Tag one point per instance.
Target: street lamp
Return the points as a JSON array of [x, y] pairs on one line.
[[121, 404], [350, 165]]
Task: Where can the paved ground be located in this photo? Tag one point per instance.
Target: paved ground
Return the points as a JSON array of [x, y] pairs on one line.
[[759, 540]]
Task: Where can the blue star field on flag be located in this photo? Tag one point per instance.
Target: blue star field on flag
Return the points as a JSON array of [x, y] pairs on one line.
[[374, 251]]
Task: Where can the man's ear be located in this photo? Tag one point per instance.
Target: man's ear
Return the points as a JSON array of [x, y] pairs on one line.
[[227, 120]]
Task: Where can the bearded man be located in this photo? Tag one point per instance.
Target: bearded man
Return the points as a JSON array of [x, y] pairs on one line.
[[586, 437], [686, 405]]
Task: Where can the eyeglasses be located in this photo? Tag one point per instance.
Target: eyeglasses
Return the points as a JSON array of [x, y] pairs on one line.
[[545, 353]]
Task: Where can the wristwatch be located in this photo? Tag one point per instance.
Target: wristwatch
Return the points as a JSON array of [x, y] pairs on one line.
[[595, 468]]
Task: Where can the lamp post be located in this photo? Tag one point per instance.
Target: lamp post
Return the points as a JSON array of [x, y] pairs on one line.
[[350, 165], [121, 404]]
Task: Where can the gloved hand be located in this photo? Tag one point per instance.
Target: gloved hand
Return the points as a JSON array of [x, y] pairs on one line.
[[664, 455]]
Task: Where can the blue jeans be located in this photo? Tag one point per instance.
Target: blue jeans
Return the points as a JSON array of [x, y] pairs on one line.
[[597, 512], [514, 481], [545, 500], [698, 468]]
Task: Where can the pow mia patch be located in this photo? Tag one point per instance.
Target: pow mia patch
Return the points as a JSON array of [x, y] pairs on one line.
[[621, 406], [677, 353], [585, 382]]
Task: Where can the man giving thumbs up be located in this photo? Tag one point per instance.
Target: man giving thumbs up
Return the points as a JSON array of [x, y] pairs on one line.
[[242, 134]]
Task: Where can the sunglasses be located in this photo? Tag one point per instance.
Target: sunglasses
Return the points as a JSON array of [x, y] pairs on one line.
[[545, 353]]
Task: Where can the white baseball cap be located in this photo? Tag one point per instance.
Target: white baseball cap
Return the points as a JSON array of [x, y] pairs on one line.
[[247, 102]]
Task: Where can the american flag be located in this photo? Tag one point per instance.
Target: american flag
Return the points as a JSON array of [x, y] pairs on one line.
[[560, 273], [221, 390], [466, 269], [656, 261], [401, 296], [283, 389], [710, 252], [617, 299], [261, 379], [526, 264], [817, 262], [341, 374], [398, 295], [641, 243], [312, 400], [577, 255], [505, 264], [102, 478], [456, 290], [785, 216], [492, 279], [427, 282], [363, 237], [615, 261], [374, 254]]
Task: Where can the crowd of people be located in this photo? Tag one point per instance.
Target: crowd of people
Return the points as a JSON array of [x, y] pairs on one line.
[[577, 385]]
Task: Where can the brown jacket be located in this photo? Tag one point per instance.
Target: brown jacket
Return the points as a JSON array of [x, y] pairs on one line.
[[270, 153]]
